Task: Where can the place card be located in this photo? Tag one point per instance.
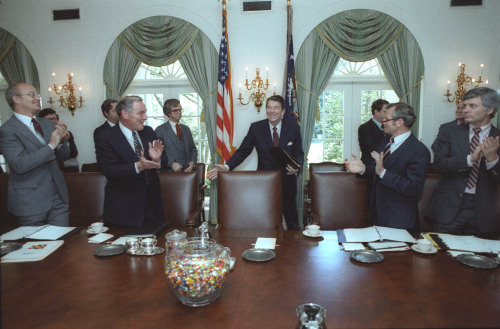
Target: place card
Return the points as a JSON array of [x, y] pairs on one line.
[[265, 243], [351, 246], [101, 237]]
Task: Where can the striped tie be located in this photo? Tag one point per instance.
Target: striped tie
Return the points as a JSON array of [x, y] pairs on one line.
[[474, 143], [387, 150], [137, 144]]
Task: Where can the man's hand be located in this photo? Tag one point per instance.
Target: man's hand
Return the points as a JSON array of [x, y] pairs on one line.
[[144, 164], [155, 150], [57, 134], [477, 154], [190, 167], [379, 162], [489, 148], [355, 166], [176, 166], [290, 170], [212, 174], [66, 136]]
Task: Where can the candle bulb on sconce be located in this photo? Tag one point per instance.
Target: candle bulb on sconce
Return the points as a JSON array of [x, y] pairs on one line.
[[464, 83], [258, 86], [66, 94]]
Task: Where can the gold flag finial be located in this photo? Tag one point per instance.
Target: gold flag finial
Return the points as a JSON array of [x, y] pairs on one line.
[[223, 4]]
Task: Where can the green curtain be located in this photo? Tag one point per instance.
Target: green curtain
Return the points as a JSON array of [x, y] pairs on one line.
[[156, 41], [313, 68], [403, 65], [16, 63], [200, 63]]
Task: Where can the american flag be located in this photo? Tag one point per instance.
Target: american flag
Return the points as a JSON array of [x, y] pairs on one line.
[[291, 109], [224, 98]]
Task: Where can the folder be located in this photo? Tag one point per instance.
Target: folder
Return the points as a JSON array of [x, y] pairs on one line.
[[283, 157]]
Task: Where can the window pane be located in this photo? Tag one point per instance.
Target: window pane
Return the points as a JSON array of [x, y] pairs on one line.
[[332, 102], [204, 152], [172, 71], [333, 151], [371, 68], [369, 96], [154, 122], [189, 102], [334, 127]]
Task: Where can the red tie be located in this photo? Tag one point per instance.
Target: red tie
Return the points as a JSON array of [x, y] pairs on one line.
[[37, 126], [474, 143], [276, 137], [179, 131], [387, 150]]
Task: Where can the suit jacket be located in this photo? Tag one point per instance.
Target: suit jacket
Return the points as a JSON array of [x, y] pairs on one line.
[[259, 136], [127, 192], [172, 147], [33, 167], [369, 137], [450, 160], [394, 201], [101, 128], [442, 127]]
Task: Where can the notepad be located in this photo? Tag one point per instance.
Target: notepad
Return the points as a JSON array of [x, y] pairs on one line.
[[44, 232], [374, 233], [32, 251], [465, 243]]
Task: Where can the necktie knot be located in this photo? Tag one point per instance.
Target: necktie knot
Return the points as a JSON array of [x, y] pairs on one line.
[[477, 130]]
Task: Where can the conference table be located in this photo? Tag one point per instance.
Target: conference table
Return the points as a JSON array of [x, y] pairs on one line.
[[72, 288]]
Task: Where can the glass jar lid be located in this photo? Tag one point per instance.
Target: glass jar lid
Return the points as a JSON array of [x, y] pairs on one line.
[[176, 235]]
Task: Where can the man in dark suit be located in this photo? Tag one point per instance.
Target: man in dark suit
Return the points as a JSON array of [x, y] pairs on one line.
[[37, 192], [109, 112], [262, 136], [465, 198], [177, 139], [459, 119], [370, 133], [128, 155], [399, 171]]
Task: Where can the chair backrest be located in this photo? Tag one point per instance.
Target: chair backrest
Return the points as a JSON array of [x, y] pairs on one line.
[[86, 197], [326, 167], [200, 169], [90, 167], [338, 200], [6, 218], [423, 201], [179, 191], [249, 199]]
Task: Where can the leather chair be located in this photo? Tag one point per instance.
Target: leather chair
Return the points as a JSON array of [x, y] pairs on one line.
[[200, 169], [179, 191], [90, 167], [86, 197], [249, 200], [338, 200], [6, 218], [423, 201]]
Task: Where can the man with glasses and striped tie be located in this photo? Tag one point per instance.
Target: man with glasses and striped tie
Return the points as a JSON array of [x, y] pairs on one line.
[[128, 155], [466, 156], [399, 171], [37, 192]]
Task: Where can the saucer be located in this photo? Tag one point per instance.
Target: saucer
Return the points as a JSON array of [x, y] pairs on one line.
[[417, 249], [306, 233], [91, 231]]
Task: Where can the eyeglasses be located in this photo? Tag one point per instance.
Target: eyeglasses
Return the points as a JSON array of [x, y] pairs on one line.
[[387, 120], [176, 111], [32, 95]]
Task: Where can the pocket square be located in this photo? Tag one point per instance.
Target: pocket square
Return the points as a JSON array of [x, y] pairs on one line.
[[289, 143]]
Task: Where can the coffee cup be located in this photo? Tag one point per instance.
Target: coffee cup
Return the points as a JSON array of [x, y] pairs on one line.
[[424, 245], [312, 229], [96, 227], [148, 245], [133, 244]]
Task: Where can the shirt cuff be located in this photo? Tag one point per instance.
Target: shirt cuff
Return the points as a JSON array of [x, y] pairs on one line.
[[491, 164], [136, 169], [469, 162], [227, 167], [382, 174]]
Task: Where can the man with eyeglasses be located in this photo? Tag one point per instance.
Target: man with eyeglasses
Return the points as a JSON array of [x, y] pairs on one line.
[[37, 192], [399, 171], [177, 139]]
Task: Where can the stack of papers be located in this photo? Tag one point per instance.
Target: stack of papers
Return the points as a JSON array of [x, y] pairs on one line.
[[374, 233], [101, 237], [388, 246], [32, 251], [45, 232]]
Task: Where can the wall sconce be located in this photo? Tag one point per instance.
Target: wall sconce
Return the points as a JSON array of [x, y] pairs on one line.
[[463, 81], [258, 96], [66, 95]]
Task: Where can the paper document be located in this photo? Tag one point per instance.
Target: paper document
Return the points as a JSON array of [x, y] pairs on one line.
[[387, 245], [45, 232], [101, 237], [351, 246], [468, 243], [376, 233], [265, 243], [32, 251]]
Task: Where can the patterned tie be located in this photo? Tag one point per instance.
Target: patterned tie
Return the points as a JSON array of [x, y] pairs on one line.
[[276, 137], [474, 143], [137, 144], [179, 131], [37, 126], [387, 150]]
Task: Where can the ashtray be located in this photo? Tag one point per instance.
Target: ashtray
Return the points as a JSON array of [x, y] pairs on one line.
[[367, 256], [258, 255], [110, 250], [477, 261]]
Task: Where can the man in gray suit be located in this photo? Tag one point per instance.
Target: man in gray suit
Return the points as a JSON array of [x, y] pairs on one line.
[[177, 139], [37, 192], [467, 157]]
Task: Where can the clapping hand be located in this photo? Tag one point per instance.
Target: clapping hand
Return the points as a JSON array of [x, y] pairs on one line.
[[379, 162], [489, 148], [155, 150], [144, 164], [355, 166]]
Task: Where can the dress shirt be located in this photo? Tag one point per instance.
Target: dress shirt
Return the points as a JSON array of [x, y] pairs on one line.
[[485, 131], [111, 124], [278, 128], [173, 127], [398, 140], [379, 124], [130, 138], [26, 120]]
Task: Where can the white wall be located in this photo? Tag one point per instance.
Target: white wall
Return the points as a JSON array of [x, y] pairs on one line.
[[446, 36]]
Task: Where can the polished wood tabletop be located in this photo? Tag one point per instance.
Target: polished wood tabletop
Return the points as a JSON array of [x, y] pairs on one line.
[[72, 288]]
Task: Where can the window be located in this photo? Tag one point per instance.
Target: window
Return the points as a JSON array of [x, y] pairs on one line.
[[157, 84], [344, 105]]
